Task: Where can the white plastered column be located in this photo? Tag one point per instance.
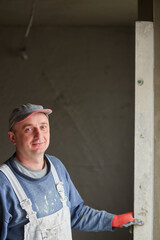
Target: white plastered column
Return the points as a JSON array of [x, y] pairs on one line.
[[144, 131]]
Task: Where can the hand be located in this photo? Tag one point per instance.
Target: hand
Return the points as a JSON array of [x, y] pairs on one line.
[[125, 220]]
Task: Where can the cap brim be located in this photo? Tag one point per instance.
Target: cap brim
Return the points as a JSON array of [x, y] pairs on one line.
[[45, 111]]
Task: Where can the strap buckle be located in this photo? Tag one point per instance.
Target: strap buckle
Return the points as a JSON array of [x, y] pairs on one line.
[[26, 203]]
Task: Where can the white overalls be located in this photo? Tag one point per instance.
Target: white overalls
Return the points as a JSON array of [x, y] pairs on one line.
[[53, 227]]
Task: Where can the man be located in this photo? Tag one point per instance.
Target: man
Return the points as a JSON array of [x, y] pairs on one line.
[[37, 197]]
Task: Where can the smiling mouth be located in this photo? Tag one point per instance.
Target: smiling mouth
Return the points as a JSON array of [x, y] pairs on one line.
[[38, 143]]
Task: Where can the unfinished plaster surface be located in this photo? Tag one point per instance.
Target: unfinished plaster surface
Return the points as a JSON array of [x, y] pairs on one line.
[[144, 130], [86, 75], [157, 121]]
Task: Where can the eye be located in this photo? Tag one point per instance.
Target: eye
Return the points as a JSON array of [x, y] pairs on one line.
[[28, 129], [44, 127]]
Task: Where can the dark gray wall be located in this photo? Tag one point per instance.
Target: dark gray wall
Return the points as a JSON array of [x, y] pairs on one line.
[[86, 75]]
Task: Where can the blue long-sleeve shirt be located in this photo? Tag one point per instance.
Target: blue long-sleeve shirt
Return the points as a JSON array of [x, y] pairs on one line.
[[45, 201]]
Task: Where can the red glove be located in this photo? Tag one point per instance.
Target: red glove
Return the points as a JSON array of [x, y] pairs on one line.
[[125, 220]]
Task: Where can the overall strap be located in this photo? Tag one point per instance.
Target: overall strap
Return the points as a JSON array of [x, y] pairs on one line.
[[14, 182], [25, 202], [54, 172], [59, 184]]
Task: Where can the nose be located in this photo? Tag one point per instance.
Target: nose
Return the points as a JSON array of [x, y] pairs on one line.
[[37, 132]]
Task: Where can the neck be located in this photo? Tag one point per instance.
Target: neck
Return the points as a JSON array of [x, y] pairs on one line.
[[32, 162]]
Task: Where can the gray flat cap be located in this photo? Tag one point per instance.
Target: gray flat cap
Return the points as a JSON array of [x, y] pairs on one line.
[[22, 112]]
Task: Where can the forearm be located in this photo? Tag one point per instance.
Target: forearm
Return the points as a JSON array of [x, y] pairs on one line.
[[87, 219]]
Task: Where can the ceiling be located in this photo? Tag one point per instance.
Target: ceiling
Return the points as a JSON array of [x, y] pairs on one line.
[[68, 12]]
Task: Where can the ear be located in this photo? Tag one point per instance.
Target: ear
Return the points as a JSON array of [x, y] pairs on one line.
[[12, 137]]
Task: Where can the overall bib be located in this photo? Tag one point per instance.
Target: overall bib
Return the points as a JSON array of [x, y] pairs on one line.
[[56, 226]]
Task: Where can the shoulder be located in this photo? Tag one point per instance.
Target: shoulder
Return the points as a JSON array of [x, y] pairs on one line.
[[60, 168], [3, 179], [55, 161], [6, 189]]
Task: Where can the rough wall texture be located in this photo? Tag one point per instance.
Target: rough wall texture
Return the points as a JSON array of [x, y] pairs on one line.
[[86, 75], [156, 223]]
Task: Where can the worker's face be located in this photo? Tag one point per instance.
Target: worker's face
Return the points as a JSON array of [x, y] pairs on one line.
[[31, 136]]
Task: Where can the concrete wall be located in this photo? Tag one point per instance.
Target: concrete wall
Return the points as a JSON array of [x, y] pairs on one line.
[[156, 223], [86, 75], [144, 130]]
